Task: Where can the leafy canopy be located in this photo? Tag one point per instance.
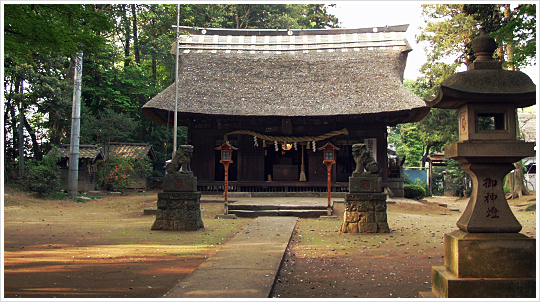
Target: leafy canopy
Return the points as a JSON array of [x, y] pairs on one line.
[[48, 28]]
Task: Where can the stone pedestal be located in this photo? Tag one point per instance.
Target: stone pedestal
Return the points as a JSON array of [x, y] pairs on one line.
[[365, 213], [179, 206], [180, 182], [486, 265], [396, 186], [365, 183]]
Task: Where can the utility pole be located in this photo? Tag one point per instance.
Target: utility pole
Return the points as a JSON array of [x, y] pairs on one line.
[[176, 83], [73, 176]]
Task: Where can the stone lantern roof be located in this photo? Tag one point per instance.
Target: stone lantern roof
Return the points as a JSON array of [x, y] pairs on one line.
[[485, 82]]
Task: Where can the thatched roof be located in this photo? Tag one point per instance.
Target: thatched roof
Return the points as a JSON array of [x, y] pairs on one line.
[[133, 150], [329, 72], [91, 152]]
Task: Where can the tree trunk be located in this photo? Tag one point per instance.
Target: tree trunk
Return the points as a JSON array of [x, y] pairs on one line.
[[6, 172], [56, 128], [426, 154], [135, 38], [236, 17], [516, 182], [317, 11], [127, 29], [509, 46], [154, 68], [35, 145], [10, 122], [15, 129]]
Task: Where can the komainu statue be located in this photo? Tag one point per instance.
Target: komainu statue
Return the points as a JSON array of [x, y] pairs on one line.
[[181, 163], [365, 163]]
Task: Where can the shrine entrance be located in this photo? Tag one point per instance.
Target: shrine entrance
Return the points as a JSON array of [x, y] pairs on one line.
[[265, 163], [286, 163]]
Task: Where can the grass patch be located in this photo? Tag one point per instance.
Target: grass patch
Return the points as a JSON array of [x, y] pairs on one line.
[[60, 195], [215, 232], [531, 207]]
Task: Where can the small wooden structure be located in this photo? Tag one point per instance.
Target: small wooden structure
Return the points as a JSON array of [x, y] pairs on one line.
[[89, 155], [134, 150], [436, 160], [277, 94]]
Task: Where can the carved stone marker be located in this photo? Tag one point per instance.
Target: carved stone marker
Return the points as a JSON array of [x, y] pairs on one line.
[[365, 204], [179, 205]]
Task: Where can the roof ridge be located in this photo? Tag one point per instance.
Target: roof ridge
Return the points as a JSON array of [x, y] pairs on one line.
[[131, 144], [290, 31]]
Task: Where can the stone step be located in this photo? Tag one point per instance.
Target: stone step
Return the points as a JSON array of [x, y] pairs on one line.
[[150, 211], [281, 212], [266, 207], [302, 213], [428, 295]]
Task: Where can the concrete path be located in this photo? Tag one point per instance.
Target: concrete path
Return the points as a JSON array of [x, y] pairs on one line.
[[245, 267]]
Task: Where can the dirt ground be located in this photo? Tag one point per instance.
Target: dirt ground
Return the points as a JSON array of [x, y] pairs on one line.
[[321, 262], [104, 248]]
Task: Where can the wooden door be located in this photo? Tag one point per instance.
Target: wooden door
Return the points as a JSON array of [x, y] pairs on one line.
[[250, 159], [317, 170], [203, 160]]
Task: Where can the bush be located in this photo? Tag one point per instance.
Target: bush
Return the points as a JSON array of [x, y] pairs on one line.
[[414, 191], [117, 173], [114, 174], [458, 180], [43, 176]]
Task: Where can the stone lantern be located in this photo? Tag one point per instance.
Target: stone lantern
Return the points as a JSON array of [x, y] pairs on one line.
[[486, 257], [226, 159], [329, 159]]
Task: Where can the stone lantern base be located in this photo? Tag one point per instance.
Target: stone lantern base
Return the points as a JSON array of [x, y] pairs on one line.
[[179, 206], [485, 265]]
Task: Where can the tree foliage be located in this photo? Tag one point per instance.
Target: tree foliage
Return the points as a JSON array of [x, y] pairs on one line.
[[108, 127], [260, 16], [42, 175], [514, 29], [31, 29], [127, 61], [448, 31]]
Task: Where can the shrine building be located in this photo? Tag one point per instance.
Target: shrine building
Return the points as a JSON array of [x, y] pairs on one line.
[[280, 94]]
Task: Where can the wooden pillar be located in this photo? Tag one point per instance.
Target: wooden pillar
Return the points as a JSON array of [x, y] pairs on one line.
[[226, 189]]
